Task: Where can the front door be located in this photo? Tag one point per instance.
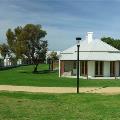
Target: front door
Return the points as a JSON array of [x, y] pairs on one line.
[[98, 68]]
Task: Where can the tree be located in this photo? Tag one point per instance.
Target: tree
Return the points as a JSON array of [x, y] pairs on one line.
[[4, 50], [53, 57], [111, 41], [28, 41]]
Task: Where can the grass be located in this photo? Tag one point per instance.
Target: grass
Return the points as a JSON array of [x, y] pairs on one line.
[[28, 106], [38, 106], [23, 76]]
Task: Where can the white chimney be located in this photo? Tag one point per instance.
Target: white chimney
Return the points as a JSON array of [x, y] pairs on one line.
[[89, 36]]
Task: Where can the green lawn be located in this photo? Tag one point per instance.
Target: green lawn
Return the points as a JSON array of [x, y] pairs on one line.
[[23, 76], [28, 106]]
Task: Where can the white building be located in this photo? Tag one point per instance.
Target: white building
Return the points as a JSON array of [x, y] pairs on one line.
[[7, 61], [1, 60], [10, 60], [19, 61], [97, 59]]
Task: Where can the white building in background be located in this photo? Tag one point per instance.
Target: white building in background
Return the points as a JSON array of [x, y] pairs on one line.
[[10, 60], [19, 61], [1, 60], [49, 52], [7, 61], [97, 60]]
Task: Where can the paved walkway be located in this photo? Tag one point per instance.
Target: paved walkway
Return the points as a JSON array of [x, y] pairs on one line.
[[107, 90]]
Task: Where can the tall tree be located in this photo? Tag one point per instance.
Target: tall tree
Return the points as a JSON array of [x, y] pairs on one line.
[[4, 50], [28, 41]]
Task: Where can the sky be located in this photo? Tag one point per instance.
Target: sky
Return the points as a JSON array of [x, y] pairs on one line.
[[64, 20]]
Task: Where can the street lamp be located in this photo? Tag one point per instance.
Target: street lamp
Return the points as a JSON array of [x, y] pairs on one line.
[[78, 46]]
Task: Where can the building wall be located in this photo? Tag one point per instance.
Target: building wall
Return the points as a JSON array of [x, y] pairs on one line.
[[75, 69], [117, 68], [68, 66], [106, 69], [70, 71], [61, 67], [91, 68]]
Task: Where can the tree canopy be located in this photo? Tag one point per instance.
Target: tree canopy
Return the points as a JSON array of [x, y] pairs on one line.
[[4, 50], [28, 41], [111, 41], [53, 56]]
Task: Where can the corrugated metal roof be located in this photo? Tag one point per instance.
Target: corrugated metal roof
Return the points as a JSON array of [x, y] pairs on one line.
[[95, 45], [94, 50]]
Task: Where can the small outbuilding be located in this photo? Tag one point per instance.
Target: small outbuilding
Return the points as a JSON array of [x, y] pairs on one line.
[[97, 60]]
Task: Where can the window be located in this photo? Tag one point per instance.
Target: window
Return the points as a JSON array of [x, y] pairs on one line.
[[99, 68]]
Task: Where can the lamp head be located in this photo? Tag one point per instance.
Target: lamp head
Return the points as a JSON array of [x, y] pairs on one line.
[[78, 40]]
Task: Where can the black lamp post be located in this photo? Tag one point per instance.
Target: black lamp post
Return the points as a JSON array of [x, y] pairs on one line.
[[78, 46]]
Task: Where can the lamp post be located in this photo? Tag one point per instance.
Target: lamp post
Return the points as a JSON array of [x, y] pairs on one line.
[[78, 46]]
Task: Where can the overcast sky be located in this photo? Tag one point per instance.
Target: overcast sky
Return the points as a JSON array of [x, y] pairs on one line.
[[62, 19]]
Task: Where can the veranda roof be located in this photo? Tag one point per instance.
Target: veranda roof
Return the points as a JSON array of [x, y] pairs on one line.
[[96, 56]]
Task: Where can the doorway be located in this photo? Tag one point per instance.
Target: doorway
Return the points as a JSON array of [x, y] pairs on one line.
[[99, 68], [83, 68]]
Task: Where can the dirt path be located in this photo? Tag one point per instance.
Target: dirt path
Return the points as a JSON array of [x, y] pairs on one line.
[[107, 90]]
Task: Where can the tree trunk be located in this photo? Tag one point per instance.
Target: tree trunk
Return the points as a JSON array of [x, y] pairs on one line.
[[49, 62], [35, 69], [52, 65]]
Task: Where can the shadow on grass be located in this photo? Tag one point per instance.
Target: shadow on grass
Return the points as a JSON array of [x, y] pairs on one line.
[[44, 72], [39, 72], [26, 72]]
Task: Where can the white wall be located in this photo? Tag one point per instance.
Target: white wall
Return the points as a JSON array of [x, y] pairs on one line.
[[106, 69], [117, 68], [68, 66], [19, 61], [7, 62], [91, 68]]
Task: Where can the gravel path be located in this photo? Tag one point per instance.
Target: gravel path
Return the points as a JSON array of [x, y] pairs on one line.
[[107, 90]]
